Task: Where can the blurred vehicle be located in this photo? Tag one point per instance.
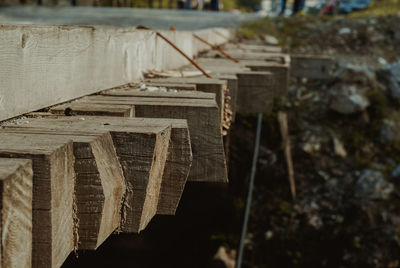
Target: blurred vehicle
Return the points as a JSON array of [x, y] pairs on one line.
[[332, 7]]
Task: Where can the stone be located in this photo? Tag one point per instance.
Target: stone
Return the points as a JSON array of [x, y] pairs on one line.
[[224, 258], [372, 185], [349, 72], [389, 132], [345, 31], [395, 173], [348, 100], [339, 148], [390, 77]]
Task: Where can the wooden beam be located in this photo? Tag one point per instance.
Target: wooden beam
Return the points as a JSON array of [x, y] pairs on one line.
[[210, 85], [54, 228], [99, 186], [277, 85], [177, 166], [94, 109], [253, 48], [16, 180], [240, 55], [280, 71], [204, 127], [131, 128], [315, 67], [169, 86], [136, 92]]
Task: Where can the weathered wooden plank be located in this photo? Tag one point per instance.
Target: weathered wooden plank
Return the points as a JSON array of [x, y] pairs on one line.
[[315, 67], [136, 92], [177, 165], [204, 128], [181, 155], [280, 71], [54, 228], [169, 86], [253, 48], [76, 108], [99, 186], [37, 60], [277, 82], [258, 94], [142, 152], [204, 84], [259, 56], [16, 180]]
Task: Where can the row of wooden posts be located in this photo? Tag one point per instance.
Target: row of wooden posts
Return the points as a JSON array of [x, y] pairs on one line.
[[81, 171]]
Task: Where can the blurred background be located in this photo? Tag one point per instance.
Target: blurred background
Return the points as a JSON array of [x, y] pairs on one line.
[[344, 131]]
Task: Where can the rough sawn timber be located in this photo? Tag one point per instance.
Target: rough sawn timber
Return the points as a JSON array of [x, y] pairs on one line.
[[133, 127], [16, 177], [99, 186], [54, 228], [75, 108], [204, 128], [177, 165], [210, 85]]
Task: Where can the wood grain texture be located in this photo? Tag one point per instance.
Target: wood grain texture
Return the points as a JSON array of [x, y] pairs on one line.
[[46, 65], [280, 70], [177, 86], [141, 146], [16, 180], [256, 92], [177, 166], [136, 92], [240, 55], [210, 85], [74, 108], [253, 48], [54, 228], [204, 128], [99, 187]]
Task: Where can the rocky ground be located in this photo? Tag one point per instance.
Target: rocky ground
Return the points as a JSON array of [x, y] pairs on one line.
[[345, 141]]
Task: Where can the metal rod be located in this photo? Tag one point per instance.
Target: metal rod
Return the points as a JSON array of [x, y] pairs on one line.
[[226, 55], [178, 49], [250, 192]]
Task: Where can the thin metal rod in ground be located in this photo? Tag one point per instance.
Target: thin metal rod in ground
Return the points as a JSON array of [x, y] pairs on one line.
[[250, 192]]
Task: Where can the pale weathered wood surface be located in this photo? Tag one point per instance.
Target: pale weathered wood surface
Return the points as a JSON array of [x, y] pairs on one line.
[[45, 65], [211, 85], [240, 55], [253, 48], [280, 70], [226, 72], [16, 180], [99, 186], [76, 108], [54, 226], [177, 86], [128, 135], [204, 128], [135, 92]]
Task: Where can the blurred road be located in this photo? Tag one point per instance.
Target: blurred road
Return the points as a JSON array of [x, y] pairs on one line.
[[153, 18]]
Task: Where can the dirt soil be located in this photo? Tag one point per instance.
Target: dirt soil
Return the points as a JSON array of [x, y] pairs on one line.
[[346, 152]]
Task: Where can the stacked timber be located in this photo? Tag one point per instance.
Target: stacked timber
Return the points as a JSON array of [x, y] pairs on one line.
[[110, 162]]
